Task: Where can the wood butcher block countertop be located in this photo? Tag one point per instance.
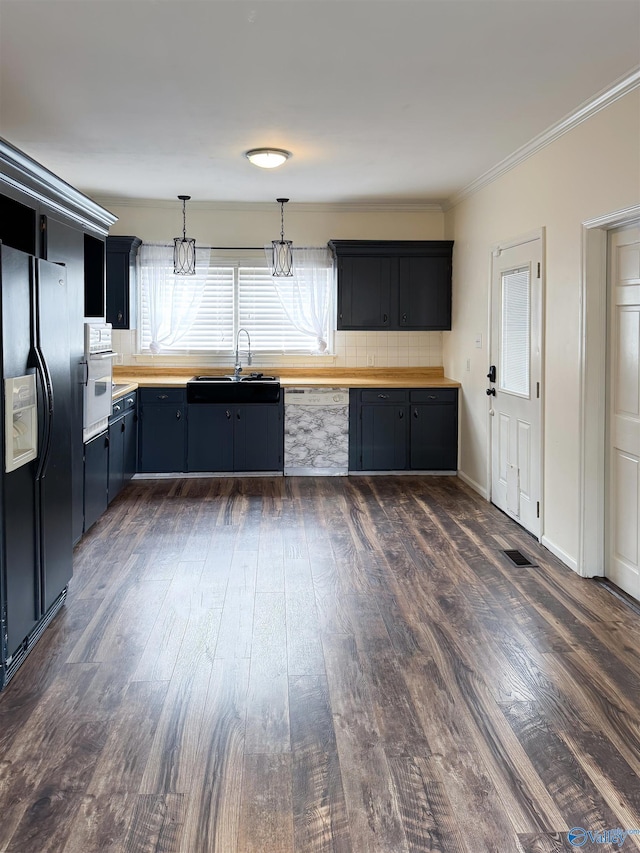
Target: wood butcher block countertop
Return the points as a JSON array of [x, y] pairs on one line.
[[129, 378]]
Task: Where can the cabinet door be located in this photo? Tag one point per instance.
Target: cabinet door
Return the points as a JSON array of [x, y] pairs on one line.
[[96, 478], [116, 457], [424, 293], [130, 455], [210, 437], [258, 438], [121, 281], [434, 436], [384, 438], [364, 292], [162, 438], [118, 289]]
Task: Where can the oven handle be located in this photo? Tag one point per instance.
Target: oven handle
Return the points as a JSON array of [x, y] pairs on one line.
[[97, 356]]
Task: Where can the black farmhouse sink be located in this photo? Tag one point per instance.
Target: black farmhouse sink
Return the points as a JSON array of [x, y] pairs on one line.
[[253, 388]]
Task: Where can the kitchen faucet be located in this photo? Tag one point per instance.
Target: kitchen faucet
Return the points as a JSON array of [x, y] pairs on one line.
[[237, 369]]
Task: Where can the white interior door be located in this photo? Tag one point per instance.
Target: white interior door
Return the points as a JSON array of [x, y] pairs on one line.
[[622, 535], [516, 307]]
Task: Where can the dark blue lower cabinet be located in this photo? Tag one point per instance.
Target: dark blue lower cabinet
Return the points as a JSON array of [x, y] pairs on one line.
[[235, 437], [384, 437], [96, 478], [210, 437], [404, 429], [162, 433], [258, 438]]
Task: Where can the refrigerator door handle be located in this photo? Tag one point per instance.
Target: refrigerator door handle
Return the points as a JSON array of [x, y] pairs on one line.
[[47, 388]]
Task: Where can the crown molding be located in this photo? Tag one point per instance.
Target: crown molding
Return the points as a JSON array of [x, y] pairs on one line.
[[586, 110], [26, 175], [269, 207]]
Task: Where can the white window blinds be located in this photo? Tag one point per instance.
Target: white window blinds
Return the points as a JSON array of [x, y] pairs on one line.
[[515, 357], [235, 294]]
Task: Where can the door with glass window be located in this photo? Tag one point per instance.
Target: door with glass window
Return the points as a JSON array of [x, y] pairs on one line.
[[515, 381]]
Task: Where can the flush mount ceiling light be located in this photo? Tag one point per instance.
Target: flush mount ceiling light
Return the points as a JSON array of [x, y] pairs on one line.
[[282, 253], [267, 158], [184, 248]]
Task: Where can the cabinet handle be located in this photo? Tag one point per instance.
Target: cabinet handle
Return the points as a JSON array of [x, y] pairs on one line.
[[415, 413], [120, 315], [238, 415], [122, 427], [178, 414], [385, 318], [404, 318], [401, 413], [383, 396], [130, 401], [228, 414], [116, 408], [162, 397], [432, 397]]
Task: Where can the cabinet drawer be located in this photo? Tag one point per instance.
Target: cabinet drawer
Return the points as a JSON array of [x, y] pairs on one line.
[[434, 395], [162, 395], [123, 404], [384, 395]]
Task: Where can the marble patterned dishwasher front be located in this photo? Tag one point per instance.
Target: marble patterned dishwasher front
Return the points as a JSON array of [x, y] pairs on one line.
[[316, 431]]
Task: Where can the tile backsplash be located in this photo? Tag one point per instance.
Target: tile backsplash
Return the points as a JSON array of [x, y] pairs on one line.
[[350, 349]]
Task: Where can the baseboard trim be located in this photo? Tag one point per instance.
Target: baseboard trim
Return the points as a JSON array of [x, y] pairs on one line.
[[571, 562], [473, 485]]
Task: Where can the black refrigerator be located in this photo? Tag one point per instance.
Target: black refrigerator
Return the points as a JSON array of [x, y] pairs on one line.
[[37, 552]]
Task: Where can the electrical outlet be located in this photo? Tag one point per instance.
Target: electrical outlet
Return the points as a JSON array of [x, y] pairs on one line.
[[371, 360]]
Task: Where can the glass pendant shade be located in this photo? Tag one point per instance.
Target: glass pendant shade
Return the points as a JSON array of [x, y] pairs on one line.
[[282, 251], [184, 248]]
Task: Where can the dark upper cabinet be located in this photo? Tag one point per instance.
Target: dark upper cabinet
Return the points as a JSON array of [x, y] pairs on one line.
[[18, 224], [122, 253], [365, 293], [94, 278], [394, 284]]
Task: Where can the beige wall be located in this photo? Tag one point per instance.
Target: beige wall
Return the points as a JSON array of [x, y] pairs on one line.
[[590, 171], [311, 225]]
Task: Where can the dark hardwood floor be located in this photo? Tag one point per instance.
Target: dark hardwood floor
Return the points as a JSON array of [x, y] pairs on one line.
[[341, 664]]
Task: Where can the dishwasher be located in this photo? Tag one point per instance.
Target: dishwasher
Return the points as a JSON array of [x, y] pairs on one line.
[[316, 431]]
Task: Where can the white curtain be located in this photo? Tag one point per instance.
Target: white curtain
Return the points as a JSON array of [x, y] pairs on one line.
[[306, 297], [174, 300]]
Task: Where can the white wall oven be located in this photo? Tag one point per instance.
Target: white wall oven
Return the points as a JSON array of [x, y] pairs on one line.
[[98, 378]]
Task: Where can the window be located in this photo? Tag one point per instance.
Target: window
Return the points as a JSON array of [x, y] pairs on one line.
[[204, 312], [515, 352]]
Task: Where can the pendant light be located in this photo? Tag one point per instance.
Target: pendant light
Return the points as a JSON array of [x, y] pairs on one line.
[[282, 253], [184, 248]]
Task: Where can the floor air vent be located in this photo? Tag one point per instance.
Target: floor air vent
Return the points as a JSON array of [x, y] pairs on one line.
[[519, 559]]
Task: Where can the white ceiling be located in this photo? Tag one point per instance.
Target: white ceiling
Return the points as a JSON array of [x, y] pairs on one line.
[[380, 101]]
